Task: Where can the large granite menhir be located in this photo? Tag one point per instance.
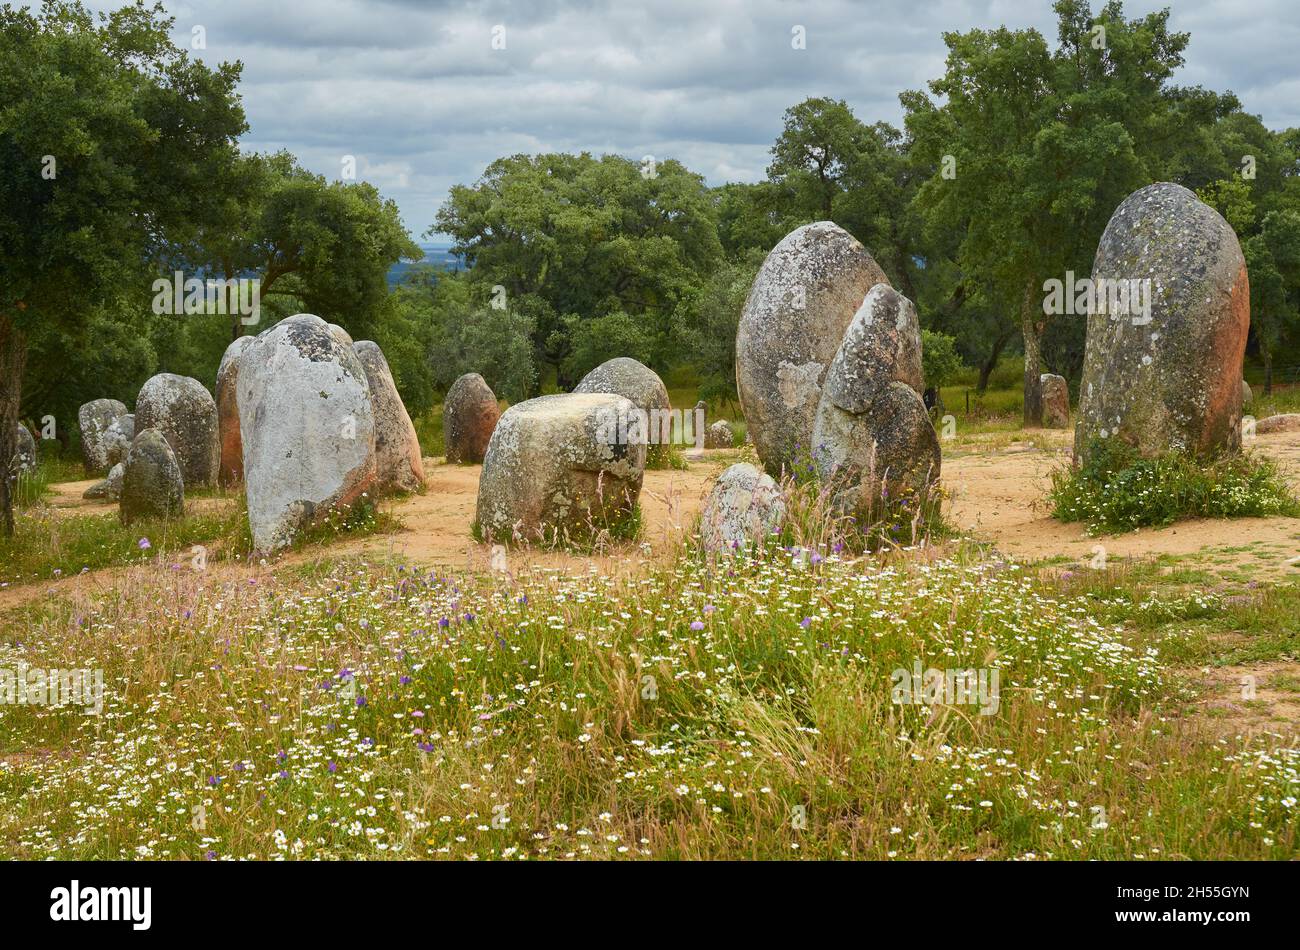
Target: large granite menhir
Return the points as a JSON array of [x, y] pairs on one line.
[[1173, 383]]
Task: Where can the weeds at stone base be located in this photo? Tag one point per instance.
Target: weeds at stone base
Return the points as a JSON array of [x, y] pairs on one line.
[[1116, 490]]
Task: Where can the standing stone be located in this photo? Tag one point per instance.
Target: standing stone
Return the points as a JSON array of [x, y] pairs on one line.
[[152, 483], [1171, 382], [1056, 401], [556, 468], [1247, 395], [719, 435], [307, 427], [94, 418], [802, 301], [469, 415], [24, 459], [744, 508], [626, 377], [399, 466], [118, 438], [231, 465], [110, 489], [872, 433], [185, 412]]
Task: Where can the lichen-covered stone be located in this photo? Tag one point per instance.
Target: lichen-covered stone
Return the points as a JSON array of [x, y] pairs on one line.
[[152, 483], [803, 299], [1056, 401], [185, 412], [1283, 422], [556, 467], [24, 451], [118, 438], [399, 466], [719, 435], [469, 415], [743, 509], [93, 419], [110, 488], [626, 377], [872, 433], [307, 427], [1174, 383], [231, 465]]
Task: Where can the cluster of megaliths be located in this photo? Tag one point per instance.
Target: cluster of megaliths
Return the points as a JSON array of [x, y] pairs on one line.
[[828, 367]]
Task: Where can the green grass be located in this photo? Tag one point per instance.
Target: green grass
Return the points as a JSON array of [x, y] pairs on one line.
[[48, 544], [741, 708]]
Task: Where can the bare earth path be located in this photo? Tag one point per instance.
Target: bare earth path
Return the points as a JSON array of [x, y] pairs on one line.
[[1000, 496]]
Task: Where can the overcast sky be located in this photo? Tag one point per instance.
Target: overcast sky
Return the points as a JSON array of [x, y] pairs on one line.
[[417, 93]]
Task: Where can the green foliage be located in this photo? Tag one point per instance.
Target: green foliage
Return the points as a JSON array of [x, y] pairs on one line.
[[1029, 149], [707, 321], [1115, 490], [597, 339], [940, 362], [576, 235]]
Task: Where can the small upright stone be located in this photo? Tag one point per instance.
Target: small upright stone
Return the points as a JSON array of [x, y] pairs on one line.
[[93, 419], [1056, 401], [469, 415], [1247, 395], [185, 412], [398, 464], [744, 509], [118, 438], [633, 380], [24, 451], [719, 435], [231, 466], [152, 483]]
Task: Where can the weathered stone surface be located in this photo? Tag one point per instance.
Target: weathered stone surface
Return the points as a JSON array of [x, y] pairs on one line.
[[626, 377], [1283, 422], [110, 489], [118, 438], [1056, 401], [555, 466], [185, 412], [307, 427], [803, 299], [152, 483], [399, 466], [744, 508], [872, 433], [93, 419], [1174, 383], [1247, 395], [24, 450], [469, 414], [231, 466], [719, 435]]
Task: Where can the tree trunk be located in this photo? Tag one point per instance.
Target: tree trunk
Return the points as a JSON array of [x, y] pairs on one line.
[[13, 359], [991, 363], [1268, 370], [1032, 327]]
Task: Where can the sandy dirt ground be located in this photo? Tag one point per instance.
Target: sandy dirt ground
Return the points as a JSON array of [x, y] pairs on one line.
[[1001, 496], [998, 495]]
